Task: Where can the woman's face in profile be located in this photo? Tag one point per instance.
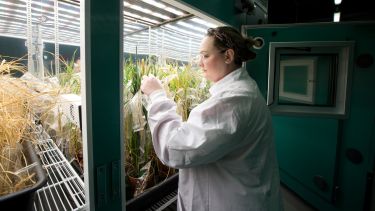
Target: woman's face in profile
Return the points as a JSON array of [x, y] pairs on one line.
[[212, 60]]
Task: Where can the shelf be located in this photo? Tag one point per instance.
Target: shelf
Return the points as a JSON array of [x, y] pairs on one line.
[[64, 189]]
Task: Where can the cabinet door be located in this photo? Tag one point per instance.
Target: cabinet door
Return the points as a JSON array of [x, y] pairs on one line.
[[306, 149], [304, 73], [315, 88]]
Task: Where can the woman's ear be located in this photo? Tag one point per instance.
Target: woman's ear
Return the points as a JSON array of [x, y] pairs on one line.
[[229, 56]]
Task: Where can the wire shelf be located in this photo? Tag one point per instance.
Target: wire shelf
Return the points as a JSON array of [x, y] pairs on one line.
[[169, 202], [64, 189]]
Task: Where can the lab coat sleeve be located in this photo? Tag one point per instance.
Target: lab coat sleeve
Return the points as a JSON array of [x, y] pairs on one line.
[[213, 130]]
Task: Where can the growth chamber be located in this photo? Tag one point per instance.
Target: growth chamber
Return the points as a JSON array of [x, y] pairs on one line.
[[90, 135]]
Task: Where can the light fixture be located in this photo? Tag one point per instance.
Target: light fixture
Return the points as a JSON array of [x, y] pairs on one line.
[[336, 17], [337, 2], [200, 21], [337, 14], [191, 26]]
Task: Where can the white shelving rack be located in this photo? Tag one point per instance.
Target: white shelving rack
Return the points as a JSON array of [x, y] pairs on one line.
[[64, 189]]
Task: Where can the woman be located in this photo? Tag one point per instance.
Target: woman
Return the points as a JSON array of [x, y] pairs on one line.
[[225, 150]]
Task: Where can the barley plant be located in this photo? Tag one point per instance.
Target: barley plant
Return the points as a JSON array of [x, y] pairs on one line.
[[22, 101], [65, 133], [185, 85], [69, 79]]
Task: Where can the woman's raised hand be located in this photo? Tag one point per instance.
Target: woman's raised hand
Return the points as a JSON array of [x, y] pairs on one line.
[[150, 84]]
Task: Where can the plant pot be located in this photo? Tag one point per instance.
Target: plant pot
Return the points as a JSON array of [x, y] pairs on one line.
[[24, 199]]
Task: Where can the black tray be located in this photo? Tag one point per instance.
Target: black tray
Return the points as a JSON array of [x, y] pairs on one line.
[[24, 199], [153, 194]]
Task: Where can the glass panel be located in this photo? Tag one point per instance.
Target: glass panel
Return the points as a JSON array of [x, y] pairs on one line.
[[307, 79], [310, 77]]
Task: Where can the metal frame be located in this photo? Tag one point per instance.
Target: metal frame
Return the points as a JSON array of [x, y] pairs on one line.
[[344, 49], [64, 189]]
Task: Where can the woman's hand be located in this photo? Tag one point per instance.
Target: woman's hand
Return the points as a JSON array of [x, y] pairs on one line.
[[150, 84]]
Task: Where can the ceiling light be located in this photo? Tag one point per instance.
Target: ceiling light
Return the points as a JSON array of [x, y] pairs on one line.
[[191, 26], [154, 3], [336, 17], [200, 21], [183, 31], [174, 11], [140, 17]]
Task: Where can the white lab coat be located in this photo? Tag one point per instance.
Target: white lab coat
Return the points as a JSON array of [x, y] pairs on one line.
[[225, 150]]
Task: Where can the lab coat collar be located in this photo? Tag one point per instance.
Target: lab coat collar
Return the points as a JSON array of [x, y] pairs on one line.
[[221, 84]]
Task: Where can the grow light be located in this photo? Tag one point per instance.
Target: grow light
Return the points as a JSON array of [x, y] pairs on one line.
[[139, 16]]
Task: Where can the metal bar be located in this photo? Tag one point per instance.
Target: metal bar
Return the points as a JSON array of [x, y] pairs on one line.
[[57, 50], [64, 189], [161, 24]]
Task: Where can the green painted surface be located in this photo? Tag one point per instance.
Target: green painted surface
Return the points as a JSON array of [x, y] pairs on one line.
[[103, 53], [222, 10], [295, 79], [308, 154], [323, 94], [311, 145]]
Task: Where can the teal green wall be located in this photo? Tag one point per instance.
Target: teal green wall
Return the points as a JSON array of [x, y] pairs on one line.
[[307, 153], [309, 146], [222, 10]]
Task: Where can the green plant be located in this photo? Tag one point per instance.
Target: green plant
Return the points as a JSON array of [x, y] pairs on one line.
[[69, 79], [185, 85]]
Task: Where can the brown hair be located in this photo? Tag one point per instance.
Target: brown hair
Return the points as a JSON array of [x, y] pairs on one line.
[[226, 37]]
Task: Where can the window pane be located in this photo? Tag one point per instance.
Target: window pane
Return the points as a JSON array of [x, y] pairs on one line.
[[307, 79]]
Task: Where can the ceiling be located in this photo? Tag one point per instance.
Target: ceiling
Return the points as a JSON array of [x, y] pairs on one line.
[[157, 28], [307, 11], [150, 26], [153, 27], [13, 20]]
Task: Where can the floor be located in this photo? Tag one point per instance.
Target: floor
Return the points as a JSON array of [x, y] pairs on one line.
[[292, 202]]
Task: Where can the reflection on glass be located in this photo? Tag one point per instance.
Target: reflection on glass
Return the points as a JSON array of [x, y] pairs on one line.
[[307, 79], [297, 80]]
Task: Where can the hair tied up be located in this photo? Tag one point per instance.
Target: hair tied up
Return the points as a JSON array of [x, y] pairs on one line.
[[253, 43], [226, 37], [249, 42]]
